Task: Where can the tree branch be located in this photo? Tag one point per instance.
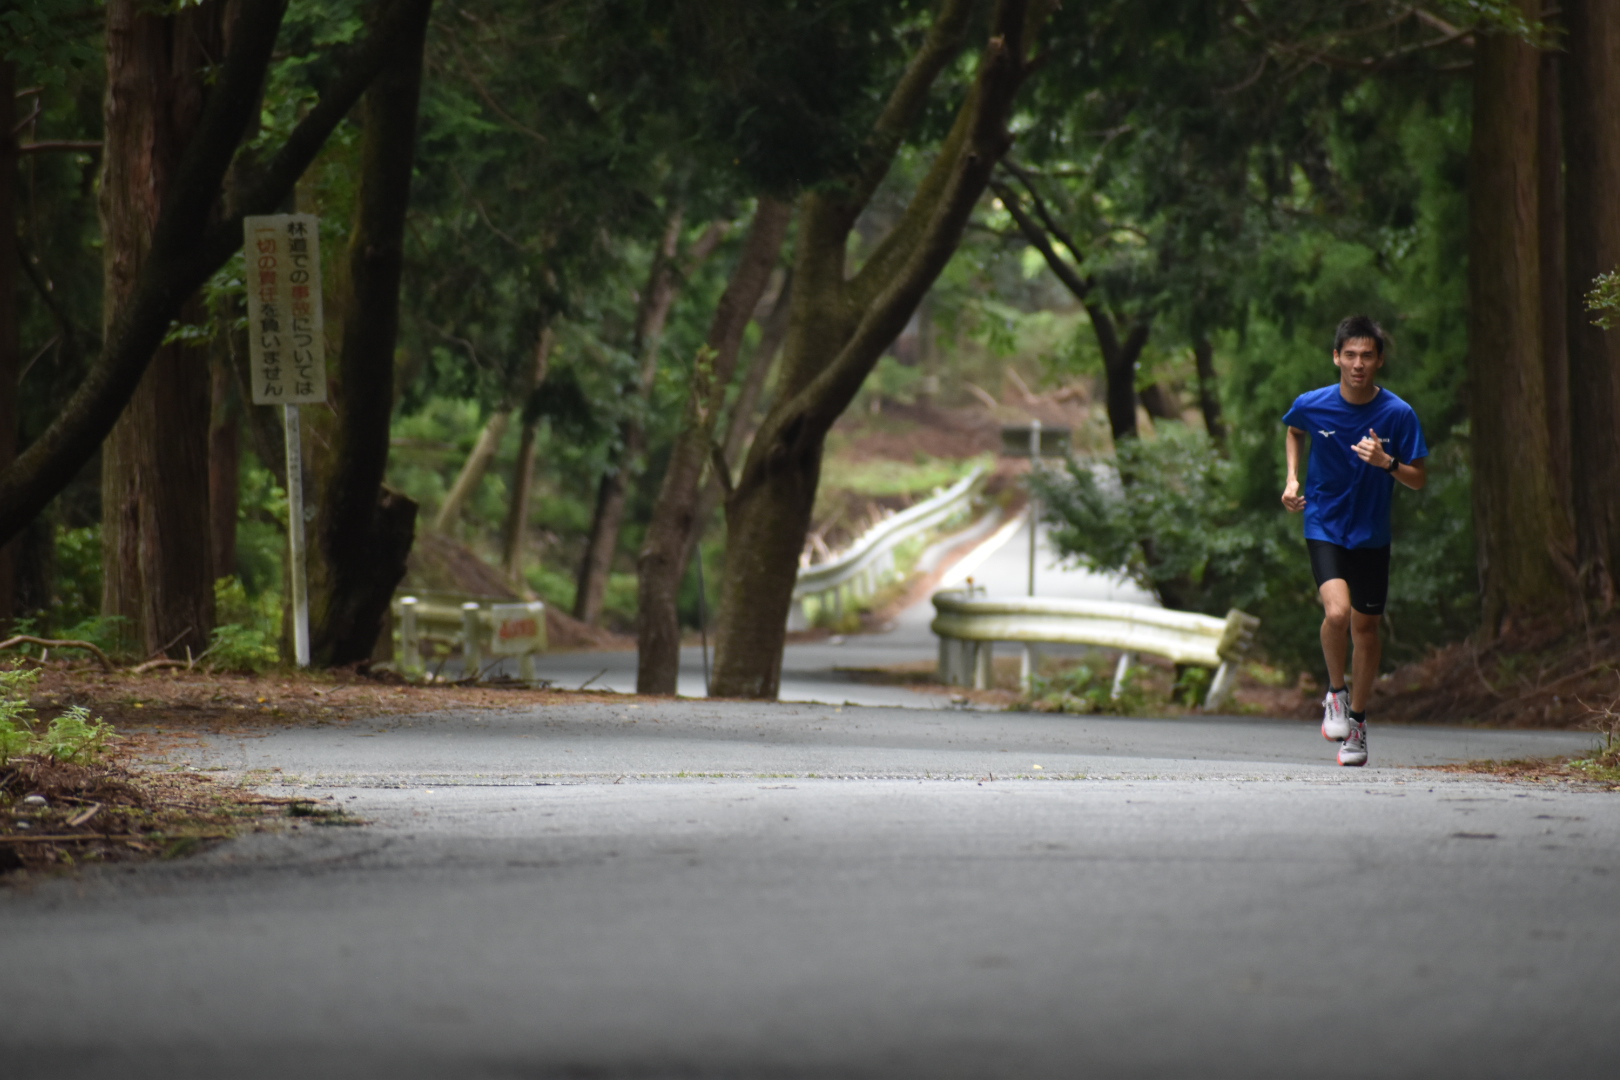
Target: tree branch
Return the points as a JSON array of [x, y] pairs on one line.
[[284, 169], [1048, 221], [1102, 323], [1041, 242], [979, 139], [895, 248], [53, 643], [945, 39], [489, 99], [58, 144]]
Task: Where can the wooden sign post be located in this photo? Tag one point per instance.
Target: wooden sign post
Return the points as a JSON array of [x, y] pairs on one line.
[[288, 349]]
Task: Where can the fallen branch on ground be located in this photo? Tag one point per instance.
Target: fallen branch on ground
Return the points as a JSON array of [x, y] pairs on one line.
[[51, 643]]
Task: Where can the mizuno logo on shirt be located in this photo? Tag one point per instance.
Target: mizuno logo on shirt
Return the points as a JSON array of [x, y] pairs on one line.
[[1326, 434]]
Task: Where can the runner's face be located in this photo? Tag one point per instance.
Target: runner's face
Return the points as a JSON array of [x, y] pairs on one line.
[[1358, 362]]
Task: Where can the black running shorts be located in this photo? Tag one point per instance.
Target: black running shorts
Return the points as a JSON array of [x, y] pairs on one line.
[[1365, 570]]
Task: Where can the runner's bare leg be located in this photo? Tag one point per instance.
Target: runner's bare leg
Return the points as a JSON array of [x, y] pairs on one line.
[[1364, 629], [1335, 628]]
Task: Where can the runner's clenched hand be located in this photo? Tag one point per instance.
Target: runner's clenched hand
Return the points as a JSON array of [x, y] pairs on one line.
[[1291, 498], [1371, 450]]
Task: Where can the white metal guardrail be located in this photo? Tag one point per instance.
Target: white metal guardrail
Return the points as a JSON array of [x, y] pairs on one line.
[[969, 625], [868, 563], [482, 629]]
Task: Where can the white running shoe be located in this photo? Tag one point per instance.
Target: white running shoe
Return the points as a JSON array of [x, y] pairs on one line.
[[1336, 715], [1353, 751]]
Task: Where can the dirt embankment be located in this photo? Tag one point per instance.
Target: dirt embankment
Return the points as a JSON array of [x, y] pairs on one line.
[[443, 566], [1551, 673], [1545, 674]]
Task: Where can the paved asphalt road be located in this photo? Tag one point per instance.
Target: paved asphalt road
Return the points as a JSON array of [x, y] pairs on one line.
[[714, 889]]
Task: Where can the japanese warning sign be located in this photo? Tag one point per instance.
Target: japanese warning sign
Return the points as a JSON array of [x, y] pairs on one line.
[[288, 346]]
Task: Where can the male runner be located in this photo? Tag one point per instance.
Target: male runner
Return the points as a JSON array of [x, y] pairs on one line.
[[1363, 439]]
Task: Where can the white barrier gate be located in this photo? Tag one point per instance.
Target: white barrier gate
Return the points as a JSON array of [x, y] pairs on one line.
[[496, 629]]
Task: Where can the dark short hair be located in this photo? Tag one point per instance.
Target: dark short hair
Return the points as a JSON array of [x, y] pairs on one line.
[[1360, 326]]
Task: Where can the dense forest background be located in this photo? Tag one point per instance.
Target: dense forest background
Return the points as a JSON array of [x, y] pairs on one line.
[[613, 284]]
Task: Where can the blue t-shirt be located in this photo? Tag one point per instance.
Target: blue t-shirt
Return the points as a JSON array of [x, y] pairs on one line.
[[1346, 499]]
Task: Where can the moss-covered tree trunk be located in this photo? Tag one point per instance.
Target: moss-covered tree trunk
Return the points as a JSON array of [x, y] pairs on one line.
[[662, 562], [1592, 153], [1521, 531], [840, 325], [363, 531], [156, 559]]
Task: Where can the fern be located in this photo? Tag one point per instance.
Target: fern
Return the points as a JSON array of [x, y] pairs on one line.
[[75, 736]]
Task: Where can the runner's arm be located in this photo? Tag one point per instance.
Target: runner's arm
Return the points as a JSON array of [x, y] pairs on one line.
[[1371, 450], [1412, 474], [1293, 444]]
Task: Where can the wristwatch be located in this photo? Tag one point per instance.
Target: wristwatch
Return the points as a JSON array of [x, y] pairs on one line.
[[1393, 464]]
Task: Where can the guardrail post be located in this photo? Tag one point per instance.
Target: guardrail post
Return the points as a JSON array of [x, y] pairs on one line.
[[1124, 669], [1220, 686], [955, 662], [410, 639], [471, 661], [984, 664], [1029, 665], [526, 663]]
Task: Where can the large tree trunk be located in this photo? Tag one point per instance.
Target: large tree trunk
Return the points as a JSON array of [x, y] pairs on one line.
[[841, 325], [364, 531], [662, 562], [224, 456], [1160, 401], [1209, 397], [1119, 370], [613, 486], [1519, 527], [157, 564], [1554, 281], [10, 341], [1592, 150], [185, 248], [517, 511]]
